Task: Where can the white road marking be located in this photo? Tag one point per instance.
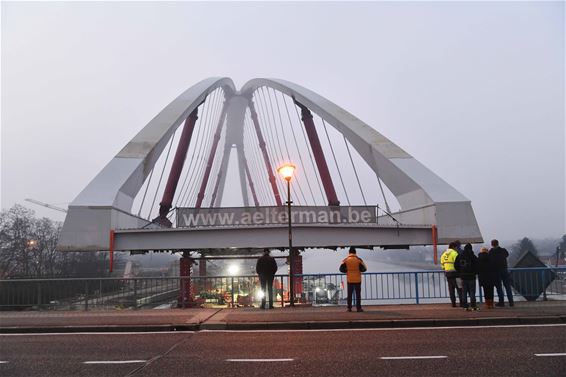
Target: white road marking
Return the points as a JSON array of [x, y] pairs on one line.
[[115, 362], [412, 357], [3, 362], [549, 354], [259, 360]]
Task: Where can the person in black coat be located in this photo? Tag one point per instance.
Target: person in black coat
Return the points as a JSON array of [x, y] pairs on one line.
[[486, 272], [467, 266], [498, 257], [266, 268]]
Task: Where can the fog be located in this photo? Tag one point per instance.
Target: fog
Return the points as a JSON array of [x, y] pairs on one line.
[[475, 91]]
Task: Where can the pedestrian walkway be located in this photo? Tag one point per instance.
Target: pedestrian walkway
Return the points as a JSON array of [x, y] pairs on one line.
[[331, 317]]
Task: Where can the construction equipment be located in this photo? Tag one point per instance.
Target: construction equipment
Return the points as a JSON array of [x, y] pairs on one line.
[[46, 205]]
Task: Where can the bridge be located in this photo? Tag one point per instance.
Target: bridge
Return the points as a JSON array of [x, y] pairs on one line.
[[211, 158], [341, 162], [185, 157]]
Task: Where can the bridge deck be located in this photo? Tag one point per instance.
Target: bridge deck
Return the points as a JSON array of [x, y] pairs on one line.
[[275, 236]]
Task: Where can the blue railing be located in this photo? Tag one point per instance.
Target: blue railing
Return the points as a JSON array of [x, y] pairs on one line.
[[318, 289]]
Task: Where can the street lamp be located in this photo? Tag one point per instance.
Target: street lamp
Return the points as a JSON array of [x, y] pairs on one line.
[[286, 171]]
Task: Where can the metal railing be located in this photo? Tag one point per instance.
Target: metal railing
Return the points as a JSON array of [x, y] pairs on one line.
[[237, 291]]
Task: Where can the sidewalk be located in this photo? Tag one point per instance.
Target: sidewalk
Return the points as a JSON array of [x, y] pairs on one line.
[[381, 316]]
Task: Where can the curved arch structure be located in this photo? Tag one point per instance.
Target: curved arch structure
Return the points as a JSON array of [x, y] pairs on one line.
[[106, 203]]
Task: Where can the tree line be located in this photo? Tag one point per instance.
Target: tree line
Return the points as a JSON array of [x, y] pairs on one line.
[[27, 249]]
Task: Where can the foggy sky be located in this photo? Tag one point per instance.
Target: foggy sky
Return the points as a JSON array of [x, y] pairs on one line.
[[475, 91]]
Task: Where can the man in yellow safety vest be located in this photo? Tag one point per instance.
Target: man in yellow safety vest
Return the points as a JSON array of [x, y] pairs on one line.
[[447, 261]]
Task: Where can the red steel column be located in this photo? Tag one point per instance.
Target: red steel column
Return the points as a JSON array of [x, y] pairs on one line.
[[265, 155], [319, 156], [202, 273], [298, 270], [185, 294], [177, 168], [252, 188], [206, 176]]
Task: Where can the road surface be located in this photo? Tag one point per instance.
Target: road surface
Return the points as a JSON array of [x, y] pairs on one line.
[[538, 350]]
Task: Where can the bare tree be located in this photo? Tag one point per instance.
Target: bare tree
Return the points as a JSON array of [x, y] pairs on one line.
[[27, 249]]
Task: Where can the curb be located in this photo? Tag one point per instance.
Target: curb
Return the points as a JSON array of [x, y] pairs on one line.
[[93, 329], [318, 325], [294, 325]]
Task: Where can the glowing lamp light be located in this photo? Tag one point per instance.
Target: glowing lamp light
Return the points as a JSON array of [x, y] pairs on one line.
[[260, 295], [286, 171], [32, 243], [233, 269]]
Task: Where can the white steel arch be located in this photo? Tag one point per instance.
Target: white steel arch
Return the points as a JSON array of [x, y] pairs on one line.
[[423, 196], [106, 203]]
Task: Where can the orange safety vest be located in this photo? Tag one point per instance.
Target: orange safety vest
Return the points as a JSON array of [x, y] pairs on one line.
[[353, 273]]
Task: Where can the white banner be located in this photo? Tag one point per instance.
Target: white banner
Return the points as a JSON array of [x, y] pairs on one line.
[[250, 216]]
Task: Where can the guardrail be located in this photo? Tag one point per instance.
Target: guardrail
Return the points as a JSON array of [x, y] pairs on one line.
[[317, 289]]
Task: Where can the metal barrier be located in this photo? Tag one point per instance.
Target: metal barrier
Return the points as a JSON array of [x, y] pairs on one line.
[[241, 291]]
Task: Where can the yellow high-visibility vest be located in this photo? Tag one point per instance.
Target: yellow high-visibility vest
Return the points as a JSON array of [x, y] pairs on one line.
[[447, 260]]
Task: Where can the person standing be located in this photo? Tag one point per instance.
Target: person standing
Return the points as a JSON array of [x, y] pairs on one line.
[[447, 260], [498, 257], [266, 268], [459, 285], [486, 273], [353, 266], [467, 266]]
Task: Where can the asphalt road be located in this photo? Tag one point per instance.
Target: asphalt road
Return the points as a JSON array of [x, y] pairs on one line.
[[472, 351]]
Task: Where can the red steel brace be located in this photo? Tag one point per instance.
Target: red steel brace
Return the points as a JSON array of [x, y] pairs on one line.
[[206, 176], [319, 156], [265, 155], [186, 292], [176, 169], [252, 188]]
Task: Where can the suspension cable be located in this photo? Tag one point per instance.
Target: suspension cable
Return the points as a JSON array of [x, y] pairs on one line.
[[381, 188], [193, 162], [355, 170], [145, 192], [297, 180], [335, 161], [161, 176], [200, 157], [269, 139], [315, 170], [257, 145], [200, 142], [297, 147], [255, 167]]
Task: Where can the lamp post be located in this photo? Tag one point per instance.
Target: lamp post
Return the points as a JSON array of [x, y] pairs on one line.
[[286, 172]]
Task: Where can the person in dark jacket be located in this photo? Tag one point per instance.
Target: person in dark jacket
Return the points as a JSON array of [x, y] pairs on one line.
[[486, 274], [266, 268], [467, 266], [498, 257], [459, 284]]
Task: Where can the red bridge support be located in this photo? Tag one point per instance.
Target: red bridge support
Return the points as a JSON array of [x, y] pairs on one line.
[[319, 156], [206, 176], [176, 169], [268, 166], [186, 299], [298, 270], [249, 176]]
